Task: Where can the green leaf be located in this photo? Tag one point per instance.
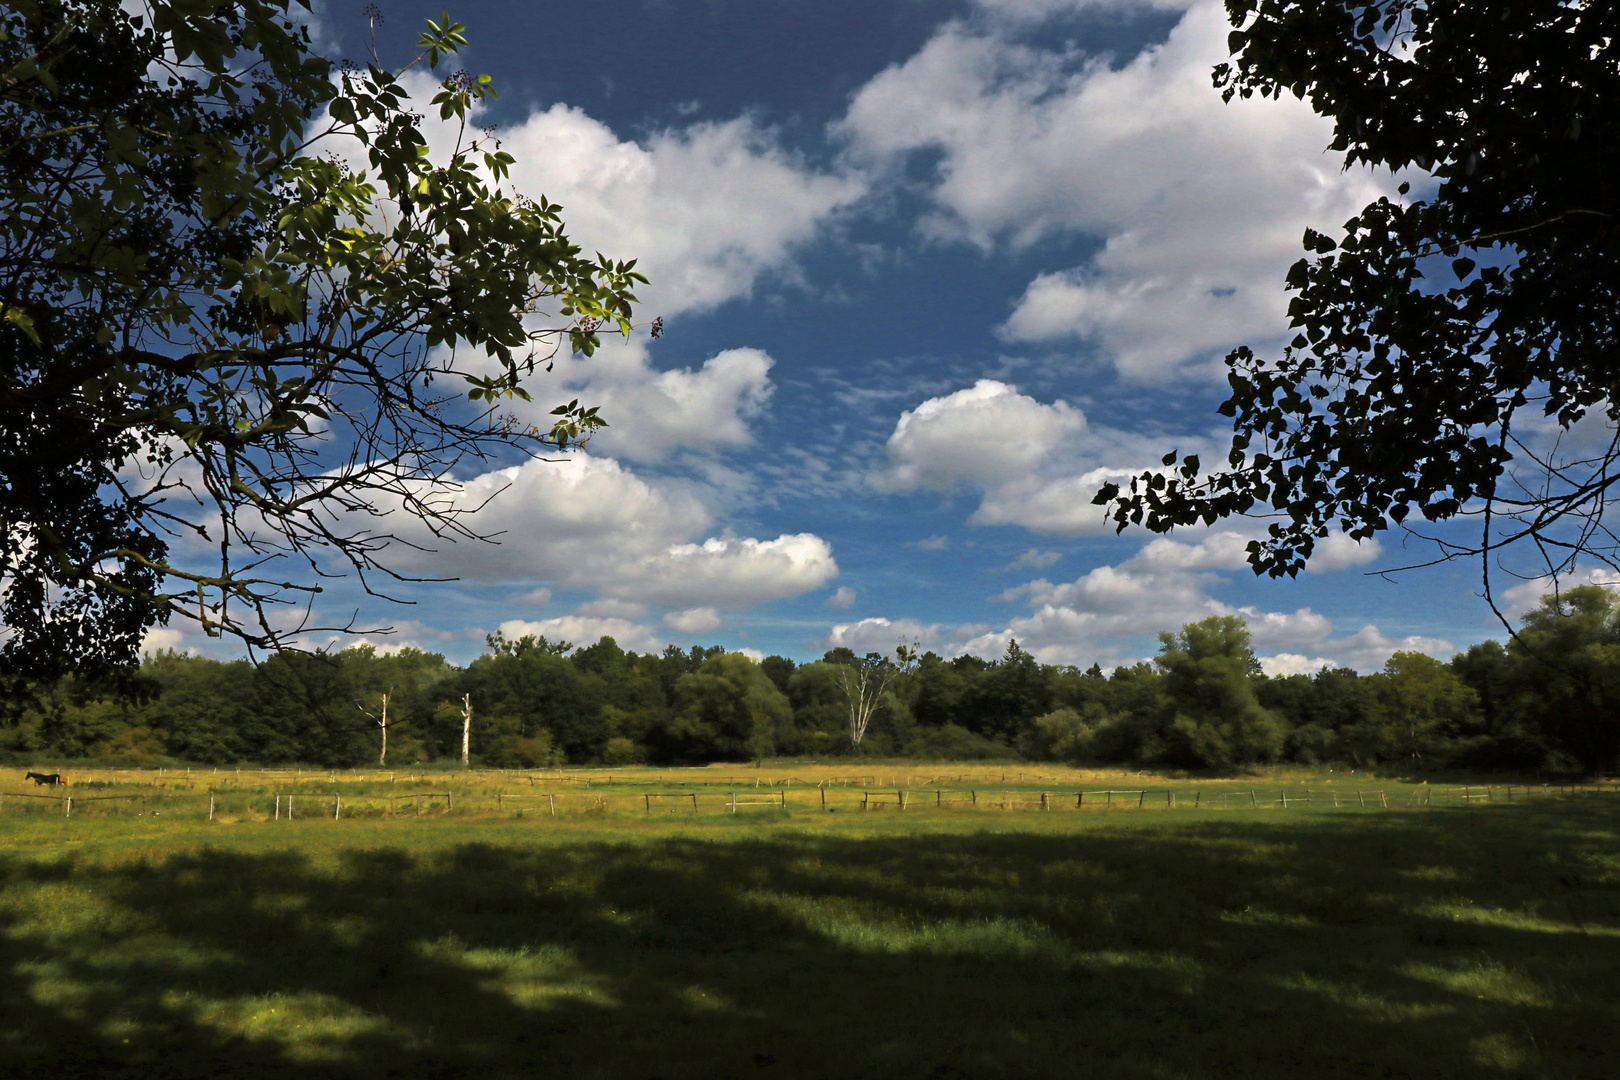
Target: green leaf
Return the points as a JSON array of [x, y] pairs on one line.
[[19, 318]]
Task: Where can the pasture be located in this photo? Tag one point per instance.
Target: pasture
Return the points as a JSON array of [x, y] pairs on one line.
[[1443, 930]]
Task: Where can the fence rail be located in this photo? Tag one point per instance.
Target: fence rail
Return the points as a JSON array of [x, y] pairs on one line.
[[278, 805]]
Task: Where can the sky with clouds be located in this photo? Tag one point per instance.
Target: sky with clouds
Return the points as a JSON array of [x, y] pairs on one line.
[[930, 272]]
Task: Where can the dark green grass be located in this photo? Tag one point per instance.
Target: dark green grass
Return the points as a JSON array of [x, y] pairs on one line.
[[1479, 942]]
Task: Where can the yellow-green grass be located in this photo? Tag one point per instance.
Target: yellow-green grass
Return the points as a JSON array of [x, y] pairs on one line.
[[1471, 942], [271, 794]]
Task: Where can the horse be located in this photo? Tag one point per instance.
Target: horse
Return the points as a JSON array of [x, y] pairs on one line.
[[45, 778]]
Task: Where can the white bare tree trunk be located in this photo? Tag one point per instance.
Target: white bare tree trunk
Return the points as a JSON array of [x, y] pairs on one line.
[[863, 689], [466, 730], [382, 722]]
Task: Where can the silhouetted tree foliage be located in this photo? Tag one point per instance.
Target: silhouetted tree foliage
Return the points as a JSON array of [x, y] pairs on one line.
[[1439, 336], [212, 327]]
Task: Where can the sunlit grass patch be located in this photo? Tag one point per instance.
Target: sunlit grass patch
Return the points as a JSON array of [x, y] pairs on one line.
[[870, 927], [1483, 979], [304, 1028]]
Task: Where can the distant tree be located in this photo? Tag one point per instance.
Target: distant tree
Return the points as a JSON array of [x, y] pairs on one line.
[[728, 710], [541, 692], [1008, 697], [410, 679], [1217, 719], [820, 708], [201, 707], [1513, 733], [865, 683], [1566, 659], [303, 708], [1072, 735], [940, 692], [604, 658], [528, 643], [779, 669], [1427, 705], [1425, 334]]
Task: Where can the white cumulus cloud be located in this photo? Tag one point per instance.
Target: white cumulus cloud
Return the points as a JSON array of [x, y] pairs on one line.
[[844, 597], [1104, 615], [1037, 464], [705, 209], [581, 630], [591, 522], [1199, 205], [654, 415], [982, 433], [699, 620]]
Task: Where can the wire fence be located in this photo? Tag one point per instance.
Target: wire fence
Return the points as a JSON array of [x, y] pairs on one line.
[[289, 805]]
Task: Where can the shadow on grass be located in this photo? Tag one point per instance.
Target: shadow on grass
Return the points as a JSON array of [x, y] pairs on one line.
[[1475, 943]]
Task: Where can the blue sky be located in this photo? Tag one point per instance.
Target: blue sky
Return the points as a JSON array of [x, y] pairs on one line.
[[930, 272]]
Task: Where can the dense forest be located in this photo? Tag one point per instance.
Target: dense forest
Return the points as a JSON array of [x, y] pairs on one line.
[[1548, 700]]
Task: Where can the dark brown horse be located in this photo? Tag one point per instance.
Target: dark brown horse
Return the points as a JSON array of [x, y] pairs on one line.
[[45, 778]]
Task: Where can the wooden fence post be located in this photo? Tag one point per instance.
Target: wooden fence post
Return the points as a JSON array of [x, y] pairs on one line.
[[1360, 800], [648, 800], [1284, 797], [1043, 802], [901, 795], [1252, 800], [974, 795], [1384, 800], [1198, 797], [694, 802], [823, 794], [449, 801], [733, 802], [67, 806], [1141, 799], [337, 807], [551, 800], [210, 803], [784, 797], [1170, 800]]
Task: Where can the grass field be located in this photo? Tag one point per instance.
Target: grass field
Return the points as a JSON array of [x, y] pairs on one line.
[[1466, 939]]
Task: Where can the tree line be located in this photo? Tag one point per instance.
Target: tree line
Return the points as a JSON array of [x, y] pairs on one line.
[[1545, 700]]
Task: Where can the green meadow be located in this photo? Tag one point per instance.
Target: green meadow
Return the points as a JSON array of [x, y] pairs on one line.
[[1473, 939]]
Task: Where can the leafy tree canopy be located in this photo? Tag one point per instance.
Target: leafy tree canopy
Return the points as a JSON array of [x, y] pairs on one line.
[[247, 311], [1442, 337], [1567, 661]]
